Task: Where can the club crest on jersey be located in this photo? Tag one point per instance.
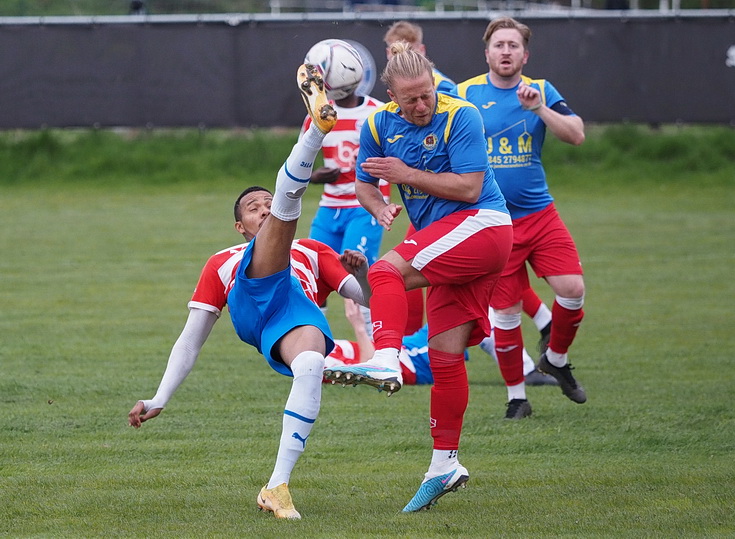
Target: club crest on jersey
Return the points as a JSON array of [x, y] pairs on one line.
[[430, 142]]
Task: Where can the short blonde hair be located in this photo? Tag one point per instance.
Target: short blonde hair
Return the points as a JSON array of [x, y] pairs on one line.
[[404, 31], [405, 63], [504, 23]]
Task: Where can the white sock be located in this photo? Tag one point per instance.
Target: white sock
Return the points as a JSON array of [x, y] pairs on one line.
[[517, 391], [555, 358], [442, 461], [388, 358], [507, 321], [293, 177], [528, 364], [573, 304], [312, 138], [302, 409], [542, 317]]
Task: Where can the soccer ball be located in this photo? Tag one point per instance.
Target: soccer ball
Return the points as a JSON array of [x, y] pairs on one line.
[[340, 64]]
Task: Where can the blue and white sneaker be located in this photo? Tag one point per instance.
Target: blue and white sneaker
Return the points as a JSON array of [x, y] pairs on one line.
[[432, 489], [381, 378]]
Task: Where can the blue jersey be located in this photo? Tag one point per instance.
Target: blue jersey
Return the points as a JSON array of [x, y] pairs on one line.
[[452, 142], [514, 140], [442, 83]]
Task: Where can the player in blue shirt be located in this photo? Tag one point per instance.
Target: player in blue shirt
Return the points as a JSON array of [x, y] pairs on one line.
[[517, 111], [431, 145], [413, 34]]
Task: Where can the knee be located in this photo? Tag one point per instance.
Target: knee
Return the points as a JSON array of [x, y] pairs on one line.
[[512, 310], [443, 359], [308, 363], [507, 321], [383, 270], [571, 287]]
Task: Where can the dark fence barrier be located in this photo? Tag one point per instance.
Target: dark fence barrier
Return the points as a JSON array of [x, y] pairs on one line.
[[239, 70]]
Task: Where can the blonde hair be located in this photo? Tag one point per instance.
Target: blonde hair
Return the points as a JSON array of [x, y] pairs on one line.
[[404, 31], [405, 63], [505, 23]]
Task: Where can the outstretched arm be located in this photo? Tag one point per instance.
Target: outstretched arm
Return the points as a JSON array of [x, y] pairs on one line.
[[180, 362]]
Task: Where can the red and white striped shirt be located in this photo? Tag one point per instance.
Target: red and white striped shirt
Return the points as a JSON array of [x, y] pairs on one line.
[[339, 150], [316, 266]]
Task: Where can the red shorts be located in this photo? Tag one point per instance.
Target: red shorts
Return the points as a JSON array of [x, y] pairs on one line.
[[462, 257], [542, 240]]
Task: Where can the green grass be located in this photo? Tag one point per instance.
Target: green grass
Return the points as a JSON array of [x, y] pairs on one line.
[[102, 238]]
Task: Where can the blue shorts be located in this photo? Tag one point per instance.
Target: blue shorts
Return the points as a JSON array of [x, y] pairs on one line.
[[264, 310], [348, 228]]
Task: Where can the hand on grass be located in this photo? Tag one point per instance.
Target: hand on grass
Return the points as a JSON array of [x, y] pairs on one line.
[[138, 415]]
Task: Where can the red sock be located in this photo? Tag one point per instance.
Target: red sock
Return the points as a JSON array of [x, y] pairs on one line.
[[449, 397], [415, 301], [531, 302], [388, 305], [415, 320], [509, 347], [564, 328]]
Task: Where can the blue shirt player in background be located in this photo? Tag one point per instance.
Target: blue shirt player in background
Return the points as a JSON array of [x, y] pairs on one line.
[[516, 112], [431, 145]]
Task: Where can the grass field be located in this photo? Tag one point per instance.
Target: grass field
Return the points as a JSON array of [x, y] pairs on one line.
[[102, 238]]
